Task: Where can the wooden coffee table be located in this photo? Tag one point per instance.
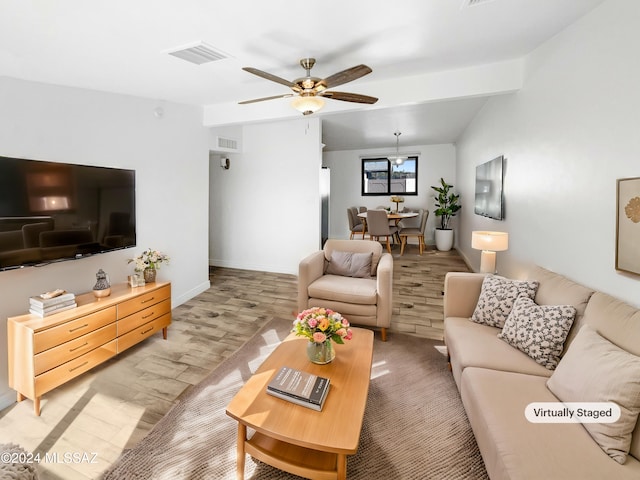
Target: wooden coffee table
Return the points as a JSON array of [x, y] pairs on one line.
[[297, 439]]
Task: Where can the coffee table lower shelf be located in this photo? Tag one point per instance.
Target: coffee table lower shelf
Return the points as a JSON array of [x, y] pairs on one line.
[[301, 461]]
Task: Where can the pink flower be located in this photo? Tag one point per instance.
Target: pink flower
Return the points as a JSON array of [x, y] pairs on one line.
[[319, 337], [349, 335], [342, 332], [345, 323], [312, 322]]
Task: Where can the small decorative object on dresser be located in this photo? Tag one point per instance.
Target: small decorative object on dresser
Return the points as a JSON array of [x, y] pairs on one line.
[[51, 302], [102, 288], [148, 262], [320, 326]]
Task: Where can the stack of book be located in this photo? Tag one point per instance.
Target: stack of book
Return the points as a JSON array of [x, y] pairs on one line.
[[51, 302], [298, 387]]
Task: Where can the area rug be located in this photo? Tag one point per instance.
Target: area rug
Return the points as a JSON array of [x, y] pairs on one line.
[[414, 427], [16, 463]]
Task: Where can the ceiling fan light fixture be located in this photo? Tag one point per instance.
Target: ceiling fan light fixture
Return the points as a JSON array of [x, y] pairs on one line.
[[307, 104]]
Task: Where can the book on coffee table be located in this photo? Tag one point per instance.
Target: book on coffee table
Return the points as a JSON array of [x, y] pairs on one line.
[[299, 387]]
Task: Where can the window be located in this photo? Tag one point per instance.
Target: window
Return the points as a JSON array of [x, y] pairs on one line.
[[381, 177]]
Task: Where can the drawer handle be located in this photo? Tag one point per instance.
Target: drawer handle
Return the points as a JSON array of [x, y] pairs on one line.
[[147, 300], [146, 331], [147, 316], [77, 348], [81, 365], [78, 328]]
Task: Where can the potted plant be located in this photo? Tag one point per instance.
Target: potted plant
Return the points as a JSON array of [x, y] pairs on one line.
[[447, 207]]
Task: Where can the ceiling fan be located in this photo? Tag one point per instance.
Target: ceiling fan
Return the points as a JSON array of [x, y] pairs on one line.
[[309, 91]]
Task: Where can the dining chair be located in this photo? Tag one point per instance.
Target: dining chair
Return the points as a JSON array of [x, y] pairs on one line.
[[378, 226], [356, 225], [411, 230]]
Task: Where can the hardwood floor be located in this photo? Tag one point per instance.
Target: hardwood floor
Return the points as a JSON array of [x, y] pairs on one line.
[[114, 405]]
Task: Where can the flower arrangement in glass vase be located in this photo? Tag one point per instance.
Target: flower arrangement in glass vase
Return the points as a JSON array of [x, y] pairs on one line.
[[321, 326], [148, 262]]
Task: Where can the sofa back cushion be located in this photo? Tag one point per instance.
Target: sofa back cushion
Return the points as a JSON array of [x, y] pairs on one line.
[[619, 323], [356, 246], [596, 370], [554, 289]]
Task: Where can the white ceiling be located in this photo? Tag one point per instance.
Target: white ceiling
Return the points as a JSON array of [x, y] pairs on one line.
[[121, 46]]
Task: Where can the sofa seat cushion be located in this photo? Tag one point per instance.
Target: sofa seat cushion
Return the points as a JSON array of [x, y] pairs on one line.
[[513, 448], [474, 345], [361, 291]]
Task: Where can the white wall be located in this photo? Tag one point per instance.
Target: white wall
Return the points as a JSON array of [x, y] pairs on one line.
[[170, 156], [567, 136], [265, 210], [434, 162]]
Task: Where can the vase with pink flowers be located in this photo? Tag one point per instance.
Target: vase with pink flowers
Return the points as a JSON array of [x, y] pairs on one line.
[[322, 326]]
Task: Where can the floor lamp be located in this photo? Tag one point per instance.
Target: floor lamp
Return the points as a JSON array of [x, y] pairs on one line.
[[489, 243]]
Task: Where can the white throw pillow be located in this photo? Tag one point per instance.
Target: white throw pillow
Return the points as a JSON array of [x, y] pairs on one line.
[[596, 370], [538, 330], [350, 264], [497, 297]]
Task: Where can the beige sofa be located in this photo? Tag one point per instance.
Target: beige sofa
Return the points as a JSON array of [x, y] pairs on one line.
[[497, 381], [327, 279]]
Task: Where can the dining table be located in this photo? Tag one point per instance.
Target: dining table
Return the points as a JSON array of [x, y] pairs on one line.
[[396, 216]]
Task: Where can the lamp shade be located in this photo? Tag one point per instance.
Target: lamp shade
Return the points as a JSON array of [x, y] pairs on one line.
[[307, 104], [490, 241]]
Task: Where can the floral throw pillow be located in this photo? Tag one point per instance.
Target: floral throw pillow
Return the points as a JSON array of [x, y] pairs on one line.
[[497, 297], [538, 330]]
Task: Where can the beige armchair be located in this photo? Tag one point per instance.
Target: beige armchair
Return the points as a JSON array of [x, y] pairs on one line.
[[325, 281]]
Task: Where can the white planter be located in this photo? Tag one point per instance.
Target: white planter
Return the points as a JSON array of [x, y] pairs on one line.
[[444, 240]]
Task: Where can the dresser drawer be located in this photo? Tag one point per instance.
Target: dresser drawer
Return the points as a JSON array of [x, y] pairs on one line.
[[55, 336], [65, 372], [56, 356], [140, 333], [137, 319], [143, 301]]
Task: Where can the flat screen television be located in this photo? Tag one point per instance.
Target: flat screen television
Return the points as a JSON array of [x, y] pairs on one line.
[[489, 201], [56, 211]]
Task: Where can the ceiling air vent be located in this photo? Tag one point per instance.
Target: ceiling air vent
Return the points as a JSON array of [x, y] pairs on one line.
[[224, 144], [198, 53]]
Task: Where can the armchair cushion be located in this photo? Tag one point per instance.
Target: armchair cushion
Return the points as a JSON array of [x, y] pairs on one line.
[[356, 246], [350, 264], [344, 289]]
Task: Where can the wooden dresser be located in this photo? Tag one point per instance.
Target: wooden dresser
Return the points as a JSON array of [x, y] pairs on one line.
[[46, 352]]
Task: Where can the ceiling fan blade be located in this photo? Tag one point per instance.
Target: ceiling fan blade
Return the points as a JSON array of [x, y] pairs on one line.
[[265, 98], [269, 76], [349, 97], [345, 76]]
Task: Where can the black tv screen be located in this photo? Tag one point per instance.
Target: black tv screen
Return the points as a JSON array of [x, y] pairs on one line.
[[56, 211], [489, 200]]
